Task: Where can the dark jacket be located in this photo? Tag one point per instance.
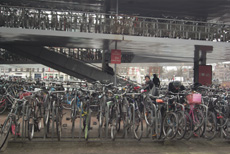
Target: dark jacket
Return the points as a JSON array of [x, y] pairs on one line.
[[156, 81], [148, 85], [173, 89]]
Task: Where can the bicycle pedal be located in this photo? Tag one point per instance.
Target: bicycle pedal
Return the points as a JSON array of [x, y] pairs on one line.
[[68, 118], [94, 123], [64, 125]]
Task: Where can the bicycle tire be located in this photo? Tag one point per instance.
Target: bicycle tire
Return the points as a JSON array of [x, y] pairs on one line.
[[148, 114], [54, 118], [125, 121], [3, 104], [159, 125], [181, 125], [4, 133], [38, 117], [199, 118], [46, 118], [86, 128], [199, 123], [73, 117], [119, 118], [226, 130], [101, 122], [114, 124], [210, 126], [30, 124], [138, 126], [58, 123], [189, 127], [170, 120]]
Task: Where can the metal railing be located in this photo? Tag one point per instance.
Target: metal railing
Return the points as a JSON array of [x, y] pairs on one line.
[[90, 55], [59, 20]]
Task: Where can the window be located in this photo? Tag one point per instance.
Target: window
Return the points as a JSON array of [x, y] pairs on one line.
[[130, 70]]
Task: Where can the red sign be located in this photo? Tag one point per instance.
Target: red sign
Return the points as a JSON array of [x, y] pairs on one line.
[[205, 74], [115, 56]]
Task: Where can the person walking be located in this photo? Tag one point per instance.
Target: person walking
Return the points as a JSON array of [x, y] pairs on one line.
[[156, 80]]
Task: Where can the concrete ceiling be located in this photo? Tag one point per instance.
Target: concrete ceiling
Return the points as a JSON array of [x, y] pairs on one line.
[[218, 10], [204, 10], [146, 49]]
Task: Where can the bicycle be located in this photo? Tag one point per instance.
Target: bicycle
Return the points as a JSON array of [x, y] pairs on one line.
[[12, 124]]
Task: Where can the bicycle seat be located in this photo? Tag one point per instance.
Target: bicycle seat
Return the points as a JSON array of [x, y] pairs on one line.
[[159, 101]]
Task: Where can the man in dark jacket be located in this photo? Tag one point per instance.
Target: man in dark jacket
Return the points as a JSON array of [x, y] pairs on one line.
[[175, 87], [148, 83], [156, 80]]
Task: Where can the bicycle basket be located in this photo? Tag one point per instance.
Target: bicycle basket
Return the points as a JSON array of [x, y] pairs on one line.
[[194, 98]]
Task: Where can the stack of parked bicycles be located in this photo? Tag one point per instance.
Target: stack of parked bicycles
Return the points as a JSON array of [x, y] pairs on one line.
[[121, 111]]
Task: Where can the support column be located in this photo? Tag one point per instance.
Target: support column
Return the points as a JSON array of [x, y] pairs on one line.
[[203, 58], [107, 8], [196, 64], [105, 48]]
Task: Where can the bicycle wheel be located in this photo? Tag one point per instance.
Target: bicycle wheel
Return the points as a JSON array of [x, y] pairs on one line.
[[3, 104], [189, 127], [101, 122], [226, 129], [4, 132], [170, 125], [38, 118], [138, 126], [181, 125], [46, 118], [119, 119], [125, 123], [199, 122], [159, 125], [148, 115], [86, 127], [58, 123], [73, 117], [54, 117], [30, 124], [211, 126], [114, 125]]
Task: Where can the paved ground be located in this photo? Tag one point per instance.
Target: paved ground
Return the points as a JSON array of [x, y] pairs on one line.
[[95, 145], [120, 146]]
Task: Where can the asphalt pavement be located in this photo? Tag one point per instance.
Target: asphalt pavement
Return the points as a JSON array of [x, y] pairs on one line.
[[94, 145]]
